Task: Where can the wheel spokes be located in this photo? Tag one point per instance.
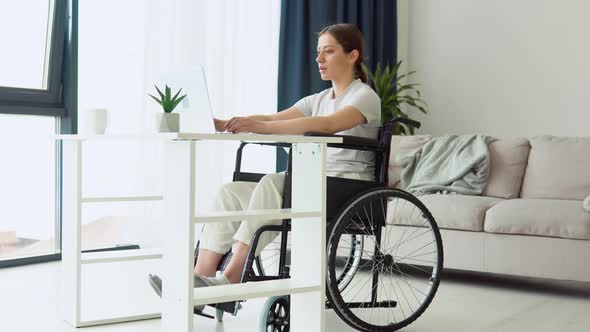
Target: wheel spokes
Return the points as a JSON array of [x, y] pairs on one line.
[[398, 274]]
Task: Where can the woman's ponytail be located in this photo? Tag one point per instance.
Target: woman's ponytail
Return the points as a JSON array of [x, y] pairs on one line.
[[360, 73]]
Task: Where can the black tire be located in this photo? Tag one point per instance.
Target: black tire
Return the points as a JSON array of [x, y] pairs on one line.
[[403, 253]]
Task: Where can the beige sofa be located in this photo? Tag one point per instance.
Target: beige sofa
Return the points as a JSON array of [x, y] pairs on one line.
[[529, 221]]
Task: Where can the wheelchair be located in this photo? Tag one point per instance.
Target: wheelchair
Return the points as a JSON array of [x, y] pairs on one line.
[[384, 248]]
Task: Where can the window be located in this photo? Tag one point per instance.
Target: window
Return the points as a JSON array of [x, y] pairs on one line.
[[32, 35], [28, 190], [24, 65], [33, 95]]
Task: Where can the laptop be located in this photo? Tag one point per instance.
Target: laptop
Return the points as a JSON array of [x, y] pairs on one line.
[[196, 114]]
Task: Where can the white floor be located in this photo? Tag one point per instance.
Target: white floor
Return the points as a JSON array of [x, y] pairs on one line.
[[29, 298]]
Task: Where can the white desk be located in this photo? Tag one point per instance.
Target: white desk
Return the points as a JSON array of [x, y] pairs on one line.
[[308, 258]]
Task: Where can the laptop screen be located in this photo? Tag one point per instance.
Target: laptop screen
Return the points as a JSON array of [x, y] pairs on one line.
[[196, 115]]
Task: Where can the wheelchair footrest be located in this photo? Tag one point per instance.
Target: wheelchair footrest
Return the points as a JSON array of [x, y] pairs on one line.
[[380, 304], [229, 307], [200, 313]]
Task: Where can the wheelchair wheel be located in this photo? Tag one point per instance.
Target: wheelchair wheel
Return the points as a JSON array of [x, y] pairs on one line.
[[348, 260], [275, 315], [402, 258], [267, 262]]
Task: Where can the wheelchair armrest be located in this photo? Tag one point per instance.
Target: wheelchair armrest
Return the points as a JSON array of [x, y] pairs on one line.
[[253, 177], [351, 142], [284, 145]]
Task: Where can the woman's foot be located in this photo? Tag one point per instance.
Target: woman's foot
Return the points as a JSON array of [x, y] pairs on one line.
[[199, 281]]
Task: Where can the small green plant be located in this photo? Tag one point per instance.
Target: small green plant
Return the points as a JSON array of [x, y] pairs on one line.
[[167, 102], [387, 84]]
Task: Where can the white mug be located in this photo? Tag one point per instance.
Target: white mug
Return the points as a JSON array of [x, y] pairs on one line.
[[96, 121]]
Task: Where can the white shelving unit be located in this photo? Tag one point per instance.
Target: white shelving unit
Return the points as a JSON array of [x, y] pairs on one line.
[[72, 257], [254, 290], [253, 215], [308, 261], [120, 256]]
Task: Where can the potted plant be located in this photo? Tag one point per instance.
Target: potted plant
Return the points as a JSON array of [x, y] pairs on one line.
[[387, 83], [168, 121]]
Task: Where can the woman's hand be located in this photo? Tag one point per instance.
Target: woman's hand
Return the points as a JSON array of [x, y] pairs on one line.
[[246, 125], [219, 124]]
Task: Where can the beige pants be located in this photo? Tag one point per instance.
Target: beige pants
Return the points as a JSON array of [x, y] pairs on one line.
[[238, 196]]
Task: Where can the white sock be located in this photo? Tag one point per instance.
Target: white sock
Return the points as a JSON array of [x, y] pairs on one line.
[[222, 279]]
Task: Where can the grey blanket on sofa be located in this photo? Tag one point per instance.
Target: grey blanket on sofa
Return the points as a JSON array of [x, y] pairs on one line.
[[456, 164]]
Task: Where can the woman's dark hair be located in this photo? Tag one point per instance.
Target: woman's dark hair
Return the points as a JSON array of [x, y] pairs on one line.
[[351, 38]]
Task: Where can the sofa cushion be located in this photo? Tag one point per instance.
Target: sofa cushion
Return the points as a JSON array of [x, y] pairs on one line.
[[508, 159], [402, 144], [542, 217], [558, 168], [459, 211]]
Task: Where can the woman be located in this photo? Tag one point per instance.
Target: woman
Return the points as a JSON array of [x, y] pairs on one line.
[[350, 107]]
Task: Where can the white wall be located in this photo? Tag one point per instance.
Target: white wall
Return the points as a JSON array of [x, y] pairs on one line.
[[505, 68]]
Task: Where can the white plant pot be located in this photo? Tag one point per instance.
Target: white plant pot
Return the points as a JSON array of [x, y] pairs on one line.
[[168, 122]]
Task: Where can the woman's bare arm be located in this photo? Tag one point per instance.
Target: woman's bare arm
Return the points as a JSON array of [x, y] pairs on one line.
[[346, 118], [288, 114]]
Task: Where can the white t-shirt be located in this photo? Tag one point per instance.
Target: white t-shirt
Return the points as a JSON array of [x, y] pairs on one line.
[[365, 100]]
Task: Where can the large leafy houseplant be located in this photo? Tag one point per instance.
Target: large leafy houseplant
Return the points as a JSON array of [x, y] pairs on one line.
[[393, 93]]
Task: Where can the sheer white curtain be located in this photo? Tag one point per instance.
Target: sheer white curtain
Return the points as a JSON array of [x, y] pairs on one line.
[[111, 76], [124, 52], [239, 52]]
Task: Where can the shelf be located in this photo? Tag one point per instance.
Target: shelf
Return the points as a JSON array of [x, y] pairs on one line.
[[84, 323], [121, 199], [253, 215], [250, 290], [116, 136], [120, 256]]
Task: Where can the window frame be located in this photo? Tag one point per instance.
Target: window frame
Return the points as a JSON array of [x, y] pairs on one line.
[[60, 100], [48, 102]]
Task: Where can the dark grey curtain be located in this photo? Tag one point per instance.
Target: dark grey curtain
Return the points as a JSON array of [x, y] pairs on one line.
[[301, 20]]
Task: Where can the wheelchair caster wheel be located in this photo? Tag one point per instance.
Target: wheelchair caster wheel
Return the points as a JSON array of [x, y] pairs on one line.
[[219, 315], [275, 314]]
